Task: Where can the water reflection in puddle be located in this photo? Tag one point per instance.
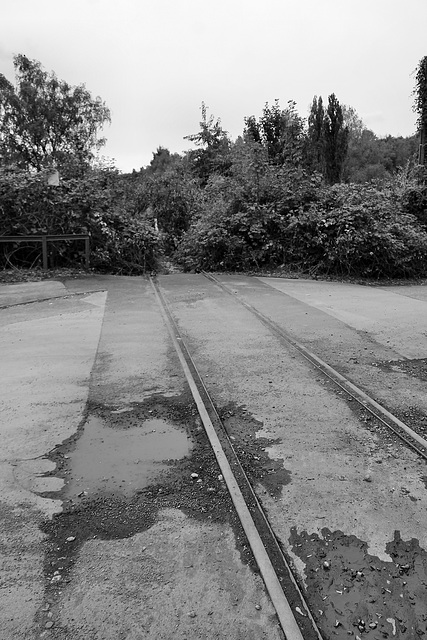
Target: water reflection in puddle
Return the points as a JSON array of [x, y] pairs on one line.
[[123, 460]]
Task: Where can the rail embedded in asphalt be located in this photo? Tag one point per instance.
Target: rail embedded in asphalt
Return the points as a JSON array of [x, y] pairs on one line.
[[274, 568], [392, 422]]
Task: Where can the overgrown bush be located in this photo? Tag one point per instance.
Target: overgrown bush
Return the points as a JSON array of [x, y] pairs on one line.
[[358, 230], [243, 220], [346, 230], [410, 188], [101, 205], [172, 198]]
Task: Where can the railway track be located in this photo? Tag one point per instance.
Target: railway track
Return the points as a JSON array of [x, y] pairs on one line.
[[274, 568], [293, 612], [378, 411], [292, 609]]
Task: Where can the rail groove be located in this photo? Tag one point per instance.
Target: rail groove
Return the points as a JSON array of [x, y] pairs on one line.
[[392, 422], [272, 563]]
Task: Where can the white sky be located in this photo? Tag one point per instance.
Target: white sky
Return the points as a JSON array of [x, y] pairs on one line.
[[154, 62]]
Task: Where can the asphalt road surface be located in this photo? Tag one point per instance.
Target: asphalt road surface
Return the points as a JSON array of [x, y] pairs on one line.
[[117, 518]]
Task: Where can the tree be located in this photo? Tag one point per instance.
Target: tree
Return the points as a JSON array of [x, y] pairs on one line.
[[214, 148], [353, 122], [420, 107], [170, 198], [315, 138], [280, 131], [372, 158], [363, 158], [335, 140], [162, 160], [45, 122]]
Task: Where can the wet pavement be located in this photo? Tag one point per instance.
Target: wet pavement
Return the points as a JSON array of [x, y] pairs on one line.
[[347, 474], [123, 459], [352, 592], [113, 497], [136, 533]]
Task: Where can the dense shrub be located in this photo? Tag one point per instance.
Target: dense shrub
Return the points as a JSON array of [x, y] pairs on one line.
[[358, 230], [351, 230], [101, 205], [259, 216], [171, 196], [243, 220]]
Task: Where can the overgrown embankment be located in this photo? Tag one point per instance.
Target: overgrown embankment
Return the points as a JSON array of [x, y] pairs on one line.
[[100, 204], [369, 230]]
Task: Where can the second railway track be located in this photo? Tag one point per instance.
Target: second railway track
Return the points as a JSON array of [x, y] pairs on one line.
[[285, 589], [281, 585], [378, 411]]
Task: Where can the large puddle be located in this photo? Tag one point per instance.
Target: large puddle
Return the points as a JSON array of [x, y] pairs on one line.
[[123, 460]]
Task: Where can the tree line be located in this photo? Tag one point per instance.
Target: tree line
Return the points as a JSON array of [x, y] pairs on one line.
[[321, 194]]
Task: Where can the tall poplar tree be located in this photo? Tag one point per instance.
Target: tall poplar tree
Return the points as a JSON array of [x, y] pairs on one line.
[[335, 140], [420, 107], [315, 138], [327, 138]]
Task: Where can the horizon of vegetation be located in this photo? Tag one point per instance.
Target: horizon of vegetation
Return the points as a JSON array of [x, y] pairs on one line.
[[321, 194]]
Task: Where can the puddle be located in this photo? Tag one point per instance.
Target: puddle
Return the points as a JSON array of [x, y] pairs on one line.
[[123, 460], [108, 447], [352, 592]]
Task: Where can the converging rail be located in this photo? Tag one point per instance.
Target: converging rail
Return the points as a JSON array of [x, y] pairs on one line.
[[402, 430], [281, 585], [44, 239], [275, 569]]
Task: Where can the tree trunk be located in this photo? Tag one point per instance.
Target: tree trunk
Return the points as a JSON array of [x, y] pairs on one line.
[[421, 153]]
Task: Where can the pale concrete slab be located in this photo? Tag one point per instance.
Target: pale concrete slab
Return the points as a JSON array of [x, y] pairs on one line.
[[47, 356], [392, 317], [11, 294], [180, 576]]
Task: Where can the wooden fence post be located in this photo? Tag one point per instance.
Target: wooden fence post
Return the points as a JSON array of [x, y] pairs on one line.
[[87, 253], [44, 250]]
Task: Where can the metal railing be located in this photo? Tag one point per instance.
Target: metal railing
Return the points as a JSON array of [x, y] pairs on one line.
[[44, 239]]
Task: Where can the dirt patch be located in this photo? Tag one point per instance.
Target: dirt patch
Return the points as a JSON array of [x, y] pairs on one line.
[[251, 450], [351, 592], [192, 484], [417, 368]]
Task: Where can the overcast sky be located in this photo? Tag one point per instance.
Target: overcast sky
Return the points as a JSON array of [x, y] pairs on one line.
[[154, 62]]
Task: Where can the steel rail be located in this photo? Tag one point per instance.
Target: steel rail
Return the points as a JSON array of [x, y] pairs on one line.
[[272, 582], [376, 409]]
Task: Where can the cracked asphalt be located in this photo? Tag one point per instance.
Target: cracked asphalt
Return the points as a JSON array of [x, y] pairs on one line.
[[99, 540]]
